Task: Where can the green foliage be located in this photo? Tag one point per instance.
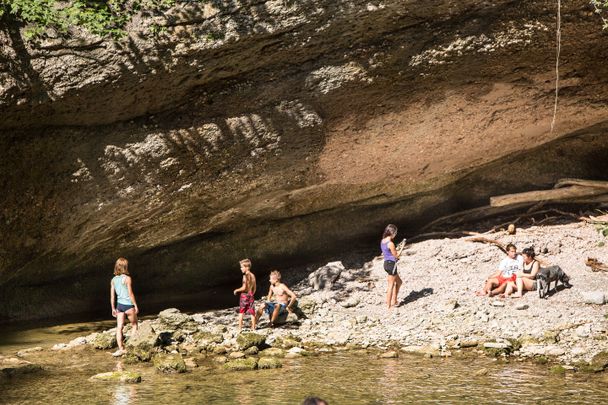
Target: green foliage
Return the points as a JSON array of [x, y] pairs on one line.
[[601, 9], [106, 18]]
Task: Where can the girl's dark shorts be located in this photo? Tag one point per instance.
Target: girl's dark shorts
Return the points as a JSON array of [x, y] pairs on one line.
[[123, 308], [390, 267]]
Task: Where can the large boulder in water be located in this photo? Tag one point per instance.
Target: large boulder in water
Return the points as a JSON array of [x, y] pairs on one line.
[[170, 363], [12, 366], [104, 341], [118, 376], [248, 363], [246, 340]]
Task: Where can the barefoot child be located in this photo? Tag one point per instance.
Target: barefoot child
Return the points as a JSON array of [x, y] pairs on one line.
[[391, 256], [120, 287], [507, 272], [285, 298], [247, 290]]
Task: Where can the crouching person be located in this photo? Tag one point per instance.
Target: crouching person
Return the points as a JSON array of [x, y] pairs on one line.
[[284, 299]]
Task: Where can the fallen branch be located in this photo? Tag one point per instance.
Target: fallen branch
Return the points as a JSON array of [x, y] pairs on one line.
[[595, 264], [489, 241], [557, 194], [580, 182], [439, 235]]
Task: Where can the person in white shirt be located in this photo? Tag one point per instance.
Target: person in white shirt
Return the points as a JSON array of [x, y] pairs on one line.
[[507, 272]]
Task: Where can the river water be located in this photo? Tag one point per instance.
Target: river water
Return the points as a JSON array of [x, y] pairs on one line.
[[340, 378]]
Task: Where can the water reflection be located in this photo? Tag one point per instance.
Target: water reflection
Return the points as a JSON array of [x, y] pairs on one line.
[[124, 394]]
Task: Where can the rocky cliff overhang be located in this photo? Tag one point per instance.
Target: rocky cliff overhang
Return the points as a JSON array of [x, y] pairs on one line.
[[277, 130]]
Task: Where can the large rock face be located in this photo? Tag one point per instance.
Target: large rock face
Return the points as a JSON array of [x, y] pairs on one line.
[[277, 129]]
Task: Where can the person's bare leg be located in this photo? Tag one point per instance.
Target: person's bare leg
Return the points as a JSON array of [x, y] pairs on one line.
[[241, 315], [498, 290], [509, 289], [120, 322], [132, 318], [389, 290], [259, 313], [275, 313], [519, 282], [253, 321], [488, 286], [398, 283]]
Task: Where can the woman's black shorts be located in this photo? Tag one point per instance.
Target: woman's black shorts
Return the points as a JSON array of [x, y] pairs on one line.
[[390, 267]]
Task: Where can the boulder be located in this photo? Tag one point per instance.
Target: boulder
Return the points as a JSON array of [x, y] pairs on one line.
[[248, 363], [324, 277], [246, 340], [170, 363], [237, 355], [118, 376], [145, 337], [600, 361], [172, 318], [269, 362], [287, 342], [593, 297], [307, 305], [252, 351]]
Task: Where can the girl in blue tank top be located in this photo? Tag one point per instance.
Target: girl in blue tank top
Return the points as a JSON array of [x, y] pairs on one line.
[[121, 290], [391, 256]]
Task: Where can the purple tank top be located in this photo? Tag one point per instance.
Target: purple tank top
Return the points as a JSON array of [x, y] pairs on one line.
[[386, 252]]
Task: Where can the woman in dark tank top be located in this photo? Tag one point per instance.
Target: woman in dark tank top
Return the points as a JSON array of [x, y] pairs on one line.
[[391, 256], [525, 279]]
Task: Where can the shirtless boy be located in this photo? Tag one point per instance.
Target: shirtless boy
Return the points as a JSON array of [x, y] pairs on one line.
[[284, 299], [247, 290]]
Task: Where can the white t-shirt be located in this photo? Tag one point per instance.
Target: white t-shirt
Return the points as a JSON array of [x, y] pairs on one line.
[[509, 266]]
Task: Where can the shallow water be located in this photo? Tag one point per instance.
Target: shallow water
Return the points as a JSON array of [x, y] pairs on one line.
[[340, 378]]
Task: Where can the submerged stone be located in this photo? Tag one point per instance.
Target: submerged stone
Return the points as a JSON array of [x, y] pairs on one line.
[[12, 366], [170, 363], [104, 341], [118, 376]]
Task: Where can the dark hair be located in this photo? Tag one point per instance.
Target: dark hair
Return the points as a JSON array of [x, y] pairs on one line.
[[529, 251], [390, 230], [314, 401], [509, 246]]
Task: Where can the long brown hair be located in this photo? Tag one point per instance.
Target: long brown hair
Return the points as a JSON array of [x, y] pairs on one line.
[[121, 267], [390, 230]]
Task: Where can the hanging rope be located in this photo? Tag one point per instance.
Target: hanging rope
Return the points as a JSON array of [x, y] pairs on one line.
[[558, 37]]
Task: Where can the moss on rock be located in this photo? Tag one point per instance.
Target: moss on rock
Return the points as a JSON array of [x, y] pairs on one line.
[[118, 376], [247, 340], [248, 363], [104, 341], [269, 362], [600, 361]]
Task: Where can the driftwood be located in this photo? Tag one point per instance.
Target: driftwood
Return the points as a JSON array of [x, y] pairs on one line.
[[496, 243], [557, 194], [595, 264], [580, 182]]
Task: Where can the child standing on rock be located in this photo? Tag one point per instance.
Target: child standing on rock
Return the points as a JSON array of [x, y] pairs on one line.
[[121, 290], [247, 290], [391, 256]]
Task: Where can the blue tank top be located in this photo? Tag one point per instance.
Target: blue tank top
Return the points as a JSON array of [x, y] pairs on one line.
[[386, 252], [121, 289]]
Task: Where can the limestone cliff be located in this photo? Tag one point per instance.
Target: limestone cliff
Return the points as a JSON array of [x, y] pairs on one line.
[[276, 130]]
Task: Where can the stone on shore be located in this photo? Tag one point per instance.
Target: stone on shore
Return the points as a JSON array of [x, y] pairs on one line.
[[273, 352], [118, 376], [325, 277], [29, 350], [237, 355], [593, 297], [170, 363], [173, 318], [145, 337], [207, 340], [248, 363], [247, 340]]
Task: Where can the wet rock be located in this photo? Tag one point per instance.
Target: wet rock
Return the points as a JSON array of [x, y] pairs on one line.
[[104, 341], [79, 341], [389, 355], [557, 369], [219, 350], [220, 359], [287, 342], [191, 362], [325, 277], [13, 366], [481, 372], [170, 363], [25, 352], [118, 376], [600, 361], [269, 362], [247, 340], [292, 355], [249, 363], [521, 307], [593, 297]]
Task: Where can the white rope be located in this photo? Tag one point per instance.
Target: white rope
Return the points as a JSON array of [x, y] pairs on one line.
[[558, 37]]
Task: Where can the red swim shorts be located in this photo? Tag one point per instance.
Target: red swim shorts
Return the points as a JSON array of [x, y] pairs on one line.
[[502, 280], [246, 304]]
